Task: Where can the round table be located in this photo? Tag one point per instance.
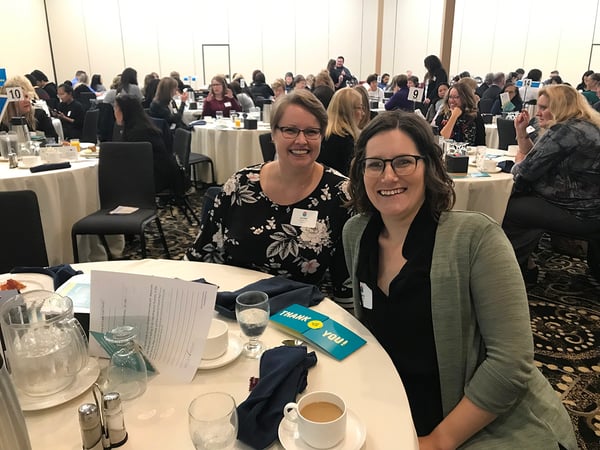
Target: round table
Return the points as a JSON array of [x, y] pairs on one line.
[[367, 379]]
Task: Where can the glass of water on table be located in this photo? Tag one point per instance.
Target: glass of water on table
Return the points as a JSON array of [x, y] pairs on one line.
[[252, 313], [213, 422]]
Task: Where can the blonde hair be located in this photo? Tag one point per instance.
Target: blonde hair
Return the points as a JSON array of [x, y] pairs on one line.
[[366, 106], [278, 83], [565, 103], [341, 113], [12, 108], [323, 79]]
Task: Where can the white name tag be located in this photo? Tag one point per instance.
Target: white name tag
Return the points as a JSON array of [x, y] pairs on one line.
[[227, 104], [304, 218], [366, 296]]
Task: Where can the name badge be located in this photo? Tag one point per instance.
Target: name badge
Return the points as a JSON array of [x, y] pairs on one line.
[[366, 295], [227, 104], [304, 218]]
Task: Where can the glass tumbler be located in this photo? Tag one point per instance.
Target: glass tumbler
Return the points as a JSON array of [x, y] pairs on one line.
[[127, 373], [213, 421]]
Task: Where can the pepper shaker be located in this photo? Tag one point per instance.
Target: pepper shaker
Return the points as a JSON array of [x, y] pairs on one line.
[[113, 419], [90, 426], [13, 163]]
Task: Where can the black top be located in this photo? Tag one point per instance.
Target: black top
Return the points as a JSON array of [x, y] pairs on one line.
[[75, 111], [324, 94], [337, 152], [262, 90], [402, 321], [42, 123], [438, 77], [164, 112]]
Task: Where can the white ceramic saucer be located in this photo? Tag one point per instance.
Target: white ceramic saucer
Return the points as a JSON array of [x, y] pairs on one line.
[[233, 351], [356, 434], [32, 281], [83, 381], [496, 170]]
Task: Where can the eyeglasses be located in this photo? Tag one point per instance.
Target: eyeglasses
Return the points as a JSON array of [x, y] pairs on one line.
[[454, 97], [216, 84], [293, 132], [401, 165]]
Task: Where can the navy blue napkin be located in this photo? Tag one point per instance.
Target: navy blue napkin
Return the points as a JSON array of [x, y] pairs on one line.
[[50, 166], [506, 165], [60, 273], [282, 293], [283, 375]]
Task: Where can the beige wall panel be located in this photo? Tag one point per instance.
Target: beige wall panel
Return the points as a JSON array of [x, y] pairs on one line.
[[211, 28], [388, 43], [278, 38], [104, 42], [245, 39], [312, 37], [509, 43], [368, 46], [345, 26]]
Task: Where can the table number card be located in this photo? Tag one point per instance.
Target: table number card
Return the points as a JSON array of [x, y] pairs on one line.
[[415, 94], [15, 94]]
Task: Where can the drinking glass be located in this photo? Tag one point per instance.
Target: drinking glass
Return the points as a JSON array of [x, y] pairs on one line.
[[252, 313], [127, 372], [213, 421], [218, 115]]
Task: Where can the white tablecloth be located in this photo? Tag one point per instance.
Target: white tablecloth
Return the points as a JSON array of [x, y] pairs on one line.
[[367, 380], [491, 135], [64, 196], [229, 148]]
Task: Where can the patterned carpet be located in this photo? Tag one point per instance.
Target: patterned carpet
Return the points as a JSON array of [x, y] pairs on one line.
[[565, 319]]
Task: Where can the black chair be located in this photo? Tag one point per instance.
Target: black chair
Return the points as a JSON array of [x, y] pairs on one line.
[[485, 105], [125, 178], [106, 122], [90, 126], [267, 147], [182, 143], [507, 134], [197, 158], [85, 98], [165, 129], [21, 229]]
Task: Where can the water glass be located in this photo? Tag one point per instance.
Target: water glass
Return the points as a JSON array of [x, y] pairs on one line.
[[127, 373], [213, 421], [252, 313], [218, 115]]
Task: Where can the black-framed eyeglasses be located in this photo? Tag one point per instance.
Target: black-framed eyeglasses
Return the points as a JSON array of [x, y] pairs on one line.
[[401, 165], [293, 132]]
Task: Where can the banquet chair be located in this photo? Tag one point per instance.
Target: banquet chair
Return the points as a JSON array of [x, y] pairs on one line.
[[106, 122], [165, 129], [85, 98], [125, 178], [485, 105], [197, 158], [90, 126], [182, 143], [21, 229], [267, 147], [507, 134]]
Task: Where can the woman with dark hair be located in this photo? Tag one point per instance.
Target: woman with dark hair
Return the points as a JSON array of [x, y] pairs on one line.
[[243, 96], [129, 84], [515, 103], [150, 91], [289, 81], [434, 76], [435, 108], [260, 88], [459, 118], [219, 98], [96, 83], [283, 217], [299, 82], [70, 112], [400, 98], [162, 105], [431, 285], [137, 127], [584, 79]]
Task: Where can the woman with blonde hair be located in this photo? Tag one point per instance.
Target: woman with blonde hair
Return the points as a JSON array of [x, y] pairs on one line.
[[345, 112], [278, 87], [556, 179], [364, 95], [36, 118]]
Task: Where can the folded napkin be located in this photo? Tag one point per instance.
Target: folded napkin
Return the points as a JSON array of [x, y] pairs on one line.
[[506, 166], [60, 274], [283, 375], [50, 166], [282, 293]]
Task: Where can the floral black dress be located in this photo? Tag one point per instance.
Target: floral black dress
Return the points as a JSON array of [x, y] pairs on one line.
[[247, 229]]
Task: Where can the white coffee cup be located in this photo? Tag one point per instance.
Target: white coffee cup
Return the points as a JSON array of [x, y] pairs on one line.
[[217, 340], [321, 418], [512, 150], [29, 161], [489, 165]]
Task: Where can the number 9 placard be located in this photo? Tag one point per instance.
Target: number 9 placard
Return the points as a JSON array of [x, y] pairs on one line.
[[14, 94], [415, 94]]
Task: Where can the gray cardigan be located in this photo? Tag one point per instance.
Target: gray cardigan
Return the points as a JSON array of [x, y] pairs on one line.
[[483, 333]]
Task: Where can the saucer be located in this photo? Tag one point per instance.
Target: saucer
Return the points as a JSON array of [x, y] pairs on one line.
[[32, 281], [83, 381], [356, 434], [234, 350], [23, 166], [496, 170]]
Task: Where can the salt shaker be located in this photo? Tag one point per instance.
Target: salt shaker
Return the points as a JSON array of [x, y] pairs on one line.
[[90, 425], [113, 419], [13, 162]]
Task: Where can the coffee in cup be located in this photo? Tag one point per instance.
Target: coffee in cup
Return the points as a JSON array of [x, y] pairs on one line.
[[320, 417]]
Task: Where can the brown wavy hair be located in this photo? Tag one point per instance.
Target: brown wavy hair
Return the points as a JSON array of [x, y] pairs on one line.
[[439, 187]]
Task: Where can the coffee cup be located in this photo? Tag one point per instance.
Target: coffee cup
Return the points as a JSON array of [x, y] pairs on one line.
[[320, 417], [29, 161], [217, 340], [489, 165], [512, 150]]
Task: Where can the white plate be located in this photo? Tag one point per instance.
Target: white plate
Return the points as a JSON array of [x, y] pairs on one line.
[[356, 434], [233, 351], [32, 281], [496, 170], [83, 145], [83, 381]]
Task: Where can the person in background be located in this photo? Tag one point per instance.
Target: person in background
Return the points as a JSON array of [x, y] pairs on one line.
[[584, 78], [70, 112], [493, 91], [435, 108], [400, 98], [340, 74], [162, 105], [254, 222], [278, 87], [260, 88], [364, 120], [180, 85], [219, 98], [128, 85], [344, 113], [487, 82], [459, 119], [374, 91], [593, 81], [556, 185], [48, 86], [435, 75], [243, 96], [137, 127], [40, 93], [515, 104], [323, 88], [289, 82], [36, 118], [310, 81], [413, 81], [149, 91], [430, 284], [520, 73], [385, 79], [96, 84], [299, 82], [82, 85]]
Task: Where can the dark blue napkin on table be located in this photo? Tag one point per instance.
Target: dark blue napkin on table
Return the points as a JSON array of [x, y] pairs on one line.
[[50, 166], [282, 293], [506, 165], [60, 273], [283, 375]]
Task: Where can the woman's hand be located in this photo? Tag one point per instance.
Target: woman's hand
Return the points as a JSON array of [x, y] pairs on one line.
[[521, 123], [456, 112], [429, 443], [210, 97], [184, 97], [229, 93]]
